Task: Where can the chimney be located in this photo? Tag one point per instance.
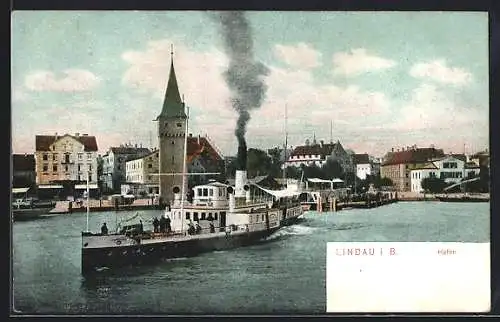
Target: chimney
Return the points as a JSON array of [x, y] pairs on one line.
[[240, 184], [190, 135], [77, 134]]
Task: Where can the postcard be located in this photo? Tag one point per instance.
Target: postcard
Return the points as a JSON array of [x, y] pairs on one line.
[[260, 162]]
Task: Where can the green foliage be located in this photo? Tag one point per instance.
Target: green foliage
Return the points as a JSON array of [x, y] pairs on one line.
[[433, 184]]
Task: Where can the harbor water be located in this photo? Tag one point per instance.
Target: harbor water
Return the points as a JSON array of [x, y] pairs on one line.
[[285, 275]]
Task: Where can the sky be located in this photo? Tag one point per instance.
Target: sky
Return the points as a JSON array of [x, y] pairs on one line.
[[372, 80]]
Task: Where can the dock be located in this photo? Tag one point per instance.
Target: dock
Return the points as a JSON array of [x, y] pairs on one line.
[[366, 202], [67, 207]]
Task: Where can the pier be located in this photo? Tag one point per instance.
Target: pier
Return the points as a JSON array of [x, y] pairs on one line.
[[366, 201]]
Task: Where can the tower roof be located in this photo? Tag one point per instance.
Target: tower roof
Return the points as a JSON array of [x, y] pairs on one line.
[[172, 103]]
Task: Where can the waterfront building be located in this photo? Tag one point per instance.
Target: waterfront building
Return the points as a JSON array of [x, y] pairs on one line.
[[114, 165], [481, 158], [66, 158], [23, 171], [398, 164], [203, 156], [318, 154], [451, 169], [363, 165], [142, 175], [171, 137]]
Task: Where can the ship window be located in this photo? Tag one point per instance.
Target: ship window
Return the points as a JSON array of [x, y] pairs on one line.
[[211, 192], [205, 192], [215, 216], [199, 192], [220, 193], [262, 217], [188, 215], [179, 124], [202, 216], [195, 216]]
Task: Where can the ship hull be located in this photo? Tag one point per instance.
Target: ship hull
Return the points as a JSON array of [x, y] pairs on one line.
[[140, 254]]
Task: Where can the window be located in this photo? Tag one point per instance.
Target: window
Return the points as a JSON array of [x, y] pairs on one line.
[[45, 157], [90, 177], [211, 192], [119, 168], [172, 142], [150, 166], [262, 217], [80, 156], [179, 124], [215, 216], [54, 168], [90, 167], [188, 215], [199, 192], [195, 216], [89, 156], [172, 159], [205, 192], [54, 157], [45, 167], [79, 167], [66, 168], [202, 216]]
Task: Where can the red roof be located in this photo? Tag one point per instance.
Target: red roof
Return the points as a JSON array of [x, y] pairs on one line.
[[43, 142], [417, 155], [194, 148], [23, 162]]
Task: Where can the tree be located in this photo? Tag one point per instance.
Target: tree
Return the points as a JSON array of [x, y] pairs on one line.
[[258, 162], [331, 169], [433, 184], [382, 182]]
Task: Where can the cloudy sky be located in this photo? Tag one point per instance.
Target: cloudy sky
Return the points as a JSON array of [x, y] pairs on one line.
[[384, 79]]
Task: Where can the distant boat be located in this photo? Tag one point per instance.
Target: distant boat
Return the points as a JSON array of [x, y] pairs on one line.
[[464, 198]]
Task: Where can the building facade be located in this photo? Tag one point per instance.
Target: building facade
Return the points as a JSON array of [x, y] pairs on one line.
[[318, 154], [450, 168], [171, 138], [114, 165], [67, 158], [397, 165], [142, 175], [23, 171], [363, 165]]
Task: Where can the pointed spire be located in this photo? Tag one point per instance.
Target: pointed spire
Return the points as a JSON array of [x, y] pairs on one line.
[[172, 104]]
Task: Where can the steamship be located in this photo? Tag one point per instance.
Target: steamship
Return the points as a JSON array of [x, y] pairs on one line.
[[227, 217]]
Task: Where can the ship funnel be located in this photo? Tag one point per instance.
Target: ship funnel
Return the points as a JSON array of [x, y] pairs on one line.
[[240, 182]]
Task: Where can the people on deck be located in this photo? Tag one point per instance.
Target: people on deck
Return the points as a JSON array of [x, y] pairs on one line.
[[163, 224], [104, 229], [156, 224], [141, 228], [212, 227], [198, 228], [191, 229], [167, 225]]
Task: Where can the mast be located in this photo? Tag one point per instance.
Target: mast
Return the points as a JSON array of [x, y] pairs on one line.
[[88, 200], [184, 167], [286, 147]]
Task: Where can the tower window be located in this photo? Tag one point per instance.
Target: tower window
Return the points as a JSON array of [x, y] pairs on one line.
[[172, 159], [173, 142], [179, 124]]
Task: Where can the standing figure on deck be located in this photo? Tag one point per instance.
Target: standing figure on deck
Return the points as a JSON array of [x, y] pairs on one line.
[[156, 224], [104, 229], [141, 229], [198, 227], [167, 225], [163, 224]]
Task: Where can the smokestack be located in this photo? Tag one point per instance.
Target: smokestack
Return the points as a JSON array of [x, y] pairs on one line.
[[240, 184], [392, 149], [244, 76]]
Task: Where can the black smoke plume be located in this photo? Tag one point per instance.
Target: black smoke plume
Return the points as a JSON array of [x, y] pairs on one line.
[[244, 76]]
